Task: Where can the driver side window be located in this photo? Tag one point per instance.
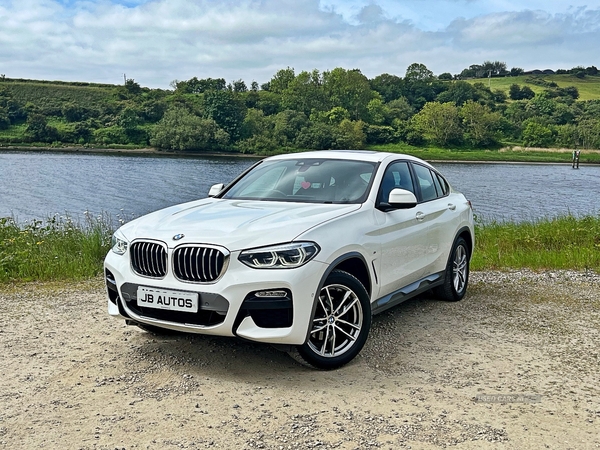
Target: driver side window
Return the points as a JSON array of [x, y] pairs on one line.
[[397, 175]]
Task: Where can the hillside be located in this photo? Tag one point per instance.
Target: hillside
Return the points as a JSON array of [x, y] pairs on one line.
[[310, 110], [588, 87], [55, 95]]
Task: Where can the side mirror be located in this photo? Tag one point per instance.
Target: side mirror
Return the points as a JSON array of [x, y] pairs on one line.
[[215, 189], [402, 199]]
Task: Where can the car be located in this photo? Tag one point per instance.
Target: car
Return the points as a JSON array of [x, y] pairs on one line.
[[299, 251]]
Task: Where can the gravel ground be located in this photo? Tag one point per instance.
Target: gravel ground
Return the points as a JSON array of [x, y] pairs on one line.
[[514, 365]]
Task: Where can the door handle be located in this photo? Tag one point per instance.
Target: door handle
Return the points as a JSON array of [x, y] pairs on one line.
[[451, 207], [420, 216]]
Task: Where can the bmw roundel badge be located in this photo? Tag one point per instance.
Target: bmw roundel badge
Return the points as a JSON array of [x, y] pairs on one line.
[[178, 236]]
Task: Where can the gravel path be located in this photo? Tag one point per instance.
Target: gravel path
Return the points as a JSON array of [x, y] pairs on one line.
[[514, 365]]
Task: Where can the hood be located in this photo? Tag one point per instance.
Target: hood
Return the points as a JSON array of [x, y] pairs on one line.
[[233, 224]]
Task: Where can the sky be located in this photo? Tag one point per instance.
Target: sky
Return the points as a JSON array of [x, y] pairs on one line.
[[157, 41]]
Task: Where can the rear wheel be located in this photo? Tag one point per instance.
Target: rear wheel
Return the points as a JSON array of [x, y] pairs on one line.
[[456, 277], [340, 324]]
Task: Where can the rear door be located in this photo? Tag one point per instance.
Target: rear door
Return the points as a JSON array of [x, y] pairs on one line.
[[438, 213]]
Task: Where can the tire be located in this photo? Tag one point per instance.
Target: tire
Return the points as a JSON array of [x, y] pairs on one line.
[[335, 338], [456, 277]]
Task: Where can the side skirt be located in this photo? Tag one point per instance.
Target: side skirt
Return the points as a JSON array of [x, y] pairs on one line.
[[407, 292]]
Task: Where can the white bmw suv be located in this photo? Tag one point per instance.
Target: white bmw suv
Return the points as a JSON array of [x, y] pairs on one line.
[[300, 250]]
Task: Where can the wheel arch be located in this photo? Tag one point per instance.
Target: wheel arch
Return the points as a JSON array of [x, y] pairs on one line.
[[353, 263], [466, 234]]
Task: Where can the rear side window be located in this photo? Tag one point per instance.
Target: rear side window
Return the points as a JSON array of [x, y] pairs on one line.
[[445, 189], [425, 179]]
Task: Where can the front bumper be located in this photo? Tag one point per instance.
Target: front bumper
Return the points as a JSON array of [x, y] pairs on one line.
[[227, 306]]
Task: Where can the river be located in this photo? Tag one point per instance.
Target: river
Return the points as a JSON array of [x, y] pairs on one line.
[[42, 184]]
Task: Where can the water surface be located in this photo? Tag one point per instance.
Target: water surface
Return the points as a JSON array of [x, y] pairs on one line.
[[41, 184]]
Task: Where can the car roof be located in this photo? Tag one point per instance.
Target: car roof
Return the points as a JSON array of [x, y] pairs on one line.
[[353, 155]]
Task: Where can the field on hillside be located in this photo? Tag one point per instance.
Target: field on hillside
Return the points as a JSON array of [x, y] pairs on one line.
[[54, 96], [589, 87]]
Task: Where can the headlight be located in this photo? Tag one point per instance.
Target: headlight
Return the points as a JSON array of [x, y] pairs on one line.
[[119, 244], [284, 256]]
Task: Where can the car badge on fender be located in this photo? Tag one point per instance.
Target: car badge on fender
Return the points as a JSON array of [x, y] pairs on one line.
[[178, 237]]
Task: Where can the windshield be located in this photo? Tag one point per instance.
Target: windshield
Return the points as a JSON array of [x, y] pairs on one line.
[[306, 181]]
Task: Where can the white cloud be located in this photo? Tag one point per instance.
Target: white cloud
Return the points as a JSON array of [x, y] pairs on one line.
[[157, 41]]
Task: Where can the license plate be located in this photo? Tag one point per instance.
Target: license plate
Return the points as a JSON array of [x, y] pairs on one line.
[[166, 299]]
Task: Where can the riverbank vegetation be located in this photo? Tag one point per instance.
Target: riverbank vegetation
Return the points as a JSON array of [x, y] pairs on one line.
[[58, 248], [485, 107], [564, 242], [62, 249]]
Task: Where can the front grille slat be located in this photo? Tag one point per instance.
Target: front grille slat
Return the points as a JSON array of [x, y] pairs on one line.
[[149, 259], [198, 264], [198, 277]]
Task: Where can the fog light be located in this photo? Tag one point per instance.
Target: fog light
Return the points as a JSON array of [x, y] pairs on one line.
[[270, 294]]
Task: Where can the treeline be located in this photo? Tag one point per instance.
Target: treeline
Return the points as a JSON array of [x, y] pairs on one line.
[[499, 69], [307, 110]]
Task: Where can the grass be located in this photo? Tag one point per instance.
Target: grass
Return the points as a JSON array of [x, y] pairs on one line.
[[588, 87], [55, 249], [509, 154], [14, 133], [564, 242], [60, 249]]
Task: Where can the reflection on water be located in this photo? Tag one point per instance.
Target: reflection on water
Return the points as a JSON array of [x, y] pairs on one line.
[[40, 184]]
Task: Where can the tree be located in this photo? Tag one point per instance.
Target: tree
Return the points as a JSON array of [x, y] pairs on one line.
[[226, 109], [196, 86], [350, 135], [4, 119], [439, 123], [541, 105], [420, 85], [268, 102], [418, 72], [459, 92], [305, 93], [527, 93], [516, 71], [281, 80], [379, 113], [239, 86], [255, 123], [480, 123], [517, 92], [446, 76], [589, 132], [181, 130], [514, 92], [287, 126], [317, 136], [132, 87], [12, 108], [349, 89], [38, 129], [570, 91], [390, 87], [494, 68], [536, 134]]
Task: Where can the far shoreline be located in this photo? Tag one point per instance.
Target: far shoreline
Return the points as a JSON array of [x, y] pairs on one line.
[[149, 151]]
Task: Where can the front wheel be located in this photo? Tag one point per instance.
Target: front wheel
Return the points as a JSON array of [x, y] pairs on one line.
[[340, 324], [456, 277]]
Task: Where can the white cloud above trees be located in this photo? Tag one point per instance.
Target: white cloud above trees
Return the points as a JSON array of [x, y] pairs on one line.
[[157, 41]]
